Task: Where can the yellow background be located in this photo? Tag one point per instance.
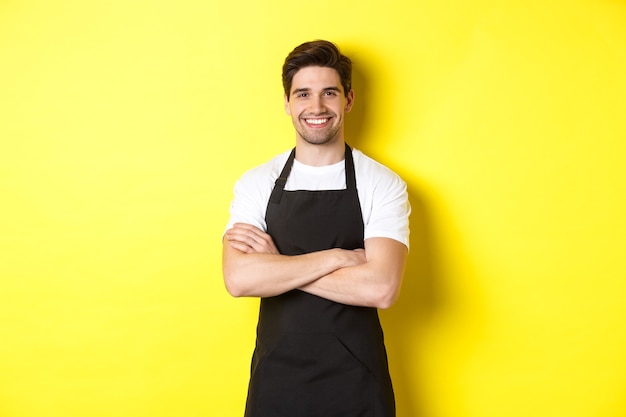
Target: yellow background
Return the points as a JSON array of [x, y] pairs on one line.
[[124, 124]]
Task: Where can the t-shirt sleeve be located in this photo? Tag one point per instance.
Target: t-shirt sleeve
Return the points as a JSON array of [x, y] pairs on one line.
[[247, 206], [389, 207], [252, 192]]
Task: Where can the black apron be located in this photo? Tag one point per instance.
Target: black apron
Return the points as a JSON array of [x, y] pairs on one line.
[[315, 357]]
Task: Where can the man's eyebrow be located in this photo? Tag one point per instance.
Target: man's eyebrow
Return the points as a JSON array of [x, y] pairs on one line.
[[306, 90], [300, 90]]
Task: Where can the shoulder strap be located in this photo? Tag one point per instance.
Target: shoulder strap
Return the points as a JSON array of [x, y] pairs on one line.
[[350, 175], [279, 184]]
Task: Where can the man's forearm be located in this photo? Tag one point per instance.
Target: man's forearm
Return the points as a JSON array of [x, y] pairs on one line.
[[359, 286], [375, 283], [268, 274]]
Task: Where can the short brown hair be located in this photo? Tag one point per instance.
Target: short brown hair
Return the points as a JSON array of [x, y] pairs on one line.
[[319, 53]]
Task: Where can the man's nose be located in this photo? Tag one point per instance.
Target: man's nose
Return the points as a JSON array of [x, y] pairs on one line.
[[317, 105]]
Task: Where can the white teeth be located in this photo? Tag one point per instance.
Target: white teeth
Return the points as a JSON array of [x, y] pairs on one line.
[[316, 121]]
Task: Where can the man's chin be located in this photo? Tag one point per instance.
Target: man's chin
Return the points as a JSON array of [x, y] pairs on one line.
[[319, 139]]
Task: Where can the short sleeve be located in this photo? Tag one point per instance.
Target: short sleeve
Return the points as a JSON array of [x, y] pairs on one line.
[[384, 200], [246, 206], [252, 191]]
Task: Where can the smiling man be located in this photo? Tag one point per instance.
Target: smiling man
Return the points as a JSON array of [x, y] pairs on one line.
[[320, 234], [317, 105]]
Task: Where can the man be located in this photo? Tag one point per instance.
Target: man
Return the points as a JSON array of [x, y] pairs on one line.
[[320, 233]]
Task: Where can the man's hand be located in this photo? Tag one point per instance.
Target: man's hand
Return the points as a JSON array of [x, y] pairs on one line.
[[250, 239], [373, 283], [354, 257]]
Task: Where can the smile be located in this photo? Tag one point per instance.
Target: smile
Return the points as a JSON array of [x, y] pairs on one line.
[[316, 121]]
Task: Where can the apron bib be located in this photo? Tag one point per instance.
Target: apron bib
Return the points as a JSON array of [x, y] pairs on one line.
[[315, 357]]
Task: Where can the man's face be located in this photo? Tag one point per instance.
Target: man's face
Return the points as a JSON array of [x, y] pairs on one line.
[[317, 103]]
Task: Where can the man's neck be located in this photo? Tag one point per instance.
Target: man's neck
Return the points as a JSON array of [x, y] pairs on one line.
[[320, 155]]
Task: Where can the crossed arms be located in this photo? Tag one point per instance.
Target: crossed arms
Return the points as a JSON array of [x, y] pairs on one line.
[[253, 267]]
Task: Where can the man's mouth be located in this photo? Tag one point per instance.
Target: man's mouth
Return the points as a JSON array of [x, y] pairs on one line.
[[317, 121]]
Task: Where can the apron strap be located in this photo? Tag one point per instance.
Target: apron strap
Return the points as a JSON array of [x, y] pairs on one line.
[[279, 184], [350, 175]]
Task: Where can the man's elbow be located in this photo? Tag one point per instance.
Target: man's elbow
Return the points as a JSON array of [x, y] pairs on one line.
[[386, 296], [234, 284], [385, 301], [233, 271]]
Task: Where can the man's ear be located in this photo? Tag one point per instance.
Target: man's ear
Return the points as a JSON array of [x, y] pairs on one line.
[[287, 109], [349, 101]]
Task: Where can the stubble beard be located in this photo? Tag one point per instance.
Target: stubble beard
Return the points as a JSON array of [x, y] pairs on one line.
[[321, 137]]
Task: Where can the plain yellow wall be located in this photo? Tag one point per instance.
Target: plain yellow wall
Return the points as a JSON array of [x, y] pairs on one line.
[[124, 124]]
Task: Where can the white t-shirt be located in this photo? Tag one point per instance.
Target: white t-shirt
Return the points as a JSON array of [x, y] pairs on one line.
[[382, 193]]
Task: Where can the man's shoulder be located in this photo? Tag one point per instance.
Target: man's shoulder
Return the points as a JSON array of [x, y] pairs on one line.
[[372, 169], [267, 171]]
